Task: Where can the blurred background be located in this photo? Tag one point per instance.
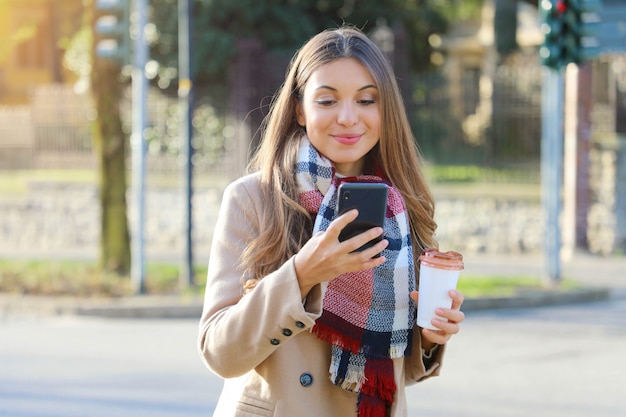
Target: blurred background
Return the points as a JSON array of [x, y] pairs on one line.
[[471, 76]]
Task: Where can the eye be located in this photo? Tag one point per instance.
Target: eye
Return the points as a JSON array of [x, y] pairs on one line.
[[325, 102], [366, 102]]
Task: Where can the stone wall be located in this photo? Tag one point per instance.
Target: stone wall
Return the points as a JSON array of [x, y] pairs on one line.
[[607, 214], [488, 224], [63, 219]]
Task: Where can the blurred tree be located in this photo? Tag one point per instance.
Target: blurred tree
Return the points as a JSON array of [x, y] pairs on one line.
[[53, 20], [281, 25], [104, 77], [6, 44], [284, 25], [505, 26], [110, 145], [505, 22]]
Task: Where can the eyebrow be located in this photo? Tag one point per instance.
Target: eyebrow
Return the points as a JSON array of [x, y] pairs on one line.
[[327, 87]]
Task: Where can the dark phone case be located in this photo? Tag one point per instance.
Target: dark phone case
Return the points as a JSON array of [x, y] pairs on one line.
[[371, 201]]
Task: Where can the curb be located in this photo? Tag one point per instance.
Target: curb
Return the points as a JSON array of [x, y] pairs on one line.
[[177, 307], [143, 312], [145, 307], [537, 299]]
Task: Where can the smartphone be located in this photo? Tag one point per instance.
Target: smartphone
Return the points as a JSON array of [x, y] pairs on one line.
[[370, 199]]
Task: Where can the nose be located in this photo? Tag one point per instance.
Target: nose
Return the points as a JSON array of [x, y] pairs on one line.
[[348, 115]]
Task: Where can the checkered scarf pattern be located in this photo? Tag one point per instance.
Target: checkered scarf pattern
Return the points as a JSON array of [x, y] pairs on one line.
[[367, 316]]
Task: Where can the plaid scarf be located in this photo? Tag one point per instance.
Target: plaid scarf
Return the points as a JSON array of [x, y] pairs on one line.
[[367, 316]]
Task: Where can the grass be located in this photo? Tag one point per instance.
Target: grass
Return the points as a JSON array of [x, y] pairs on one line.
[[475, 174], [84, 279], [461, 180], [480, 286], [16, 183]]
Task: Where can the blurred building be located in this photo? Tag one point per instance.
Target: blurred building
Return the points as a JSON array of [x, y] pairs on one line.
[[32, 33], [475, 109]]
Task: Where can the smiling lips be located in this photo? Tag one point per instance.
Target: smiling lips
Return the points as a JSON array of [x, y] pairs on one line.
[[348, 138]]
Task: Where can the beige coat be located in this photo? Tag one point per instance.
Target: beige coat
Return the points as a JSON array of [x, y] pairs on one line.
[[261, 343]]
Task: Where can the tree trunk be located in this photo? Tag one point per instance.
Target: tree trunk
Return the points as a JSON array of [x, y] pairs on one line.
[[110, 145], [505, 25]]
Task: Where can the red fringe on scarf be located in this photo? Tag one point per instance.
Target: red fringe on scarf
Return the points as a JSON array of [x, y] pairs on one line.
[[378, 389], [330, 335], [372, 407]]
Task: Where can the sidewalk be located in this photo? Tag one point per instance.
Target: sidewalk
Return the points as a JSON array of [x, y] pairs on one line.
[[601, 279], [586, 269]]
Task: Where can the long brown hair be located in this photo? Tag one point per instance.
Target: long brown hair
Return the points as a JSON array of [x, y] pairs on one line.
[[285, 226]]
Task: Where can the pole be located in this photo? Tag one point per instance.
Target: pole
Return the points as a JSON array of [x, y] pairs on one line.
[[185, 100], [583, 148], [138, 147], [570, 163], [552, 167]]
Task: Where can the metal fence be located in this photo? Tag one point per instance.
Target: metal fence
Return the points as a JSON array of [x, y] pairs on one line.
[[212, 136], [491, 122], [465, 127], [16, 137], [54, 132]]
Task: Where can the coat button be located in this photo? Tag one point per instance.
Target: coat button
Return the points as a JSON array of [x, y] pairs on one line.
[[287, 332], [300, 325], [306, 379], [275, 342]]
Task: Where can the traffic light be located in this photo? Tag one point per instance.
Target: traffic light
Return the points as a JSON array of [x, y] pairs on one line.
[[111, 29], [566, 26], [552, 27]]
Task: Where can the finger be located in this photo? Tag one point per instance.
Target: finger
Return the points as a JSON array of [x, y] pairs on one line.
[[435, 336], [336, 226], [446, 327], [366, 259], [454, 316], [457, 299], [365, 238], [371, 263], [375, 252], [414, 295], [361, 239]]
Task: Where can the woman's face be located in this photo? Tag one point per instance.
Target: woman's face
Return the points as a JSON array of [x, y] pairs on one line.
[[341, 113]]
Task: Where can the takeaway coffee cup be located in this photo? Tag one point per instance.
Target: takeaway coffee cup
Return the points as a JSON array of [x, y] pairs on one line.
[[439, 273]]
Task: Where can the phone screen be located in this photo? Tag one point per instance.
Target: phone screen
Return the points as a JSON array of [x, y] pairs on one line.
[[370, 199]]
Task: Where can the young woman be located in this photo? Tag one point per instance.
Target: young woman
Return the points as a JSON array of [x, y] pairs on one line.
[[295, 321]]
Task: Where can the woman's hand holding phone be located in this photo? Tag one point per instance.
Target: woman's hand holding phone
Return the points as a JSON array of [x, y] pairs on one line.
[[370, 199], [324, 257]]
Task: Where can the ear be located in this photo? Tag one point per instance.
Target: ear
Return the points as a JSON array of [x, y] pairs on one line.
[[300, 114]]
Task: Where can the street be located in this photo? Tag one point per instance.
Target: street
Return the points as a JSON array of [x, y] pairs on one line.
[[541, 362], [545, 362], [89, 367]]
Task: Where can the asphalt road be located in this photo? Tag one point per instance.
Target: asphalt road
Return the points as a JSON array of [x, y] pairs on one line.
[[84, 367], [545, 362], [541, 362]]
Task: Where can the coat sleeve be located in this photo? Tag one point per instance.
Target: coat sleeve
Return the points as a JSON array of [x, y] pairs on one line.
[[416, 367], [237, 332]]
